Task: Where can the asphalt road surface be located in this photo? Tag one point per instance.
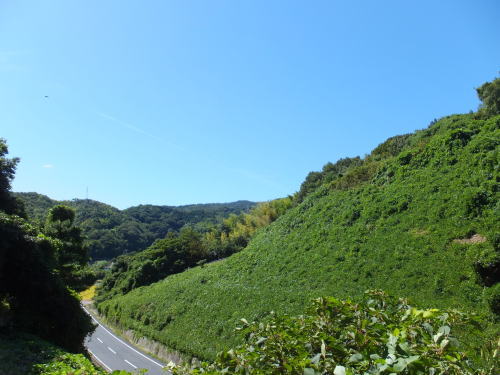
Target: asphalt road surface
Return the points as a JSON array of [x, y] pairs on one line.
[[115, 354]]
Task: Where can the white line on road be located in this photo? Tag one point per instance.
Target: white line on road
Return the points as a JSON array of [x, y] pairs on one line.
[[111, 350], [123, 342], [98, 339], [99, 360], [134, 366]]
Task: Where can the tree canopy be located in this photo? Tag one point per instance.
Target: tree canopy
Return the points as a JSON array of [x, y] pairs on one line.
[[33, 296], [489, 94], [8, 203]]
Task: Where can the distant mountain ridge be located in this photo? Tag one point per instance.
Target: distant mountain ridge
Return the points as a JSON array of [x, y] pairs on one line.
[[111, 232]]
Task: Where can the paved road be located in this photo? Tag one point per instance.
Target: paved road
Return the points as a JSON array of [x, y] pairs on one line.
[[115, 354]]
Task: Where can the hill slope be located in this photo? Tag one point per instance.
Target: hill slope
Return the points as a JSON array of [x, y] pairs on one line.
[[112, 232], [420, 224]]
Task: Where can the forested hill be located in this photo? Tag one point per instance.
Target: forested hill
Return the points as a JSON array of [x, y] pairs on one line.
[[111, 232], [417, 217]]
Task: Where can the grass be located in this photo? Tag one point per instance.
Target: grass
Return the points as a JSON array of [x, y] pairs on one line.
[[391, 224]]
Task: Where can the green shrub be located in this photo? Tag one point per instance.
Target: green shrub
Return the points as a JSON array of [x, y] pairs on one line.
[[489, 93], [25, 354], [493, 298], [380, 335]]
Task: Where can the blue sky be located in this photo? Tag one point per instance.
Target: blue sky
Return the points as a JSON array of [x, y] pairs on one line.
[[178, 102]]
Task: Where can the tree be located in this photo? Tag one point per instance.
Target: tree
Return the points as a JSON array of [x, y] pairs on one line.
[[36, 297], [489, 94], [71, 253], [33, 297], [61, 213], [8, 203], [329, 173]]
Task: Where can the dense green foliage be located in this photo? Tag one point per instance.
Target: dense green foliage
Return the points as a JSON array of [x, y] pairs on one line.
[[8, 203], [379, 335], [418, 218], [177, 252], [20, 352], [111, 232], [489, 93], [356, 169], [71, 254], [170, 255], [329, 173], [33, 296], [28, 355]]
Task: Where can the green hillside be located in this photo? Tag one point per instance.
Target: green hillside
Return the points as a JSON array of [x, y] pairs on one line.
[[418, 218], [111, 232], [188, 248]]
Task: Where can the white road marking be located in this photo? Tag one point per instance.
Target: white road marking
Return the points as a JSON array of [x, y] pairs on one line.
[[134, 366], [98, 339], [111, 350], [123, 342], [100, 361]]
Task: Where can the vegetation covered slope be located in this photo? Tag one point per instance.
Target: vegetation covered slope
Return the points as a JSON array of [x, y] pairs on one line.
[[112, 232], [417, 218], [177, 252]]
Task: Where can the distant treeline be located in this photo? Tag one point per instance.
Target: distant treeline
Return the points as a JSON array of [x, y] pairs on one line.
[[110, 232]]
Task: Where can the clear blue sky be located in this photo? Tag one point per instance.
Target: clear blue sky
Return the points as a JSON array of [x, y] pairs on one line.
[[178, 102]]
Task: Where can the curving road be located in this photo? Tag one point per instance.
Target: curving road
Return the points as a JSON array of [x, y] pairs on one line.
[[115, 354]]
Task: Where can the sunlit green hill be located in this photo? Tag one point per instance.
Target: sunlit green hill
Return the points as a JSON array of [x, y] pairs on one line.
[[418, 218]]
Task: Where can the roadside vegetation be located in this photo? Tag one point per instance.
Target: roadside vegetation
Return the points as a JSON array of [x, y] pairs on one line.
[[36, 270], [379, 335], [418, 217], [27, 354], [42, 325]]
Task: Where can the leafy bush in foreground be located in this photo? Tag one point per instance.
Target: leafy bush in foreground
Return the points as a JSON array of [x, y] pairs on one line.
[[68, 364], [380, 335], [22, 353]]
